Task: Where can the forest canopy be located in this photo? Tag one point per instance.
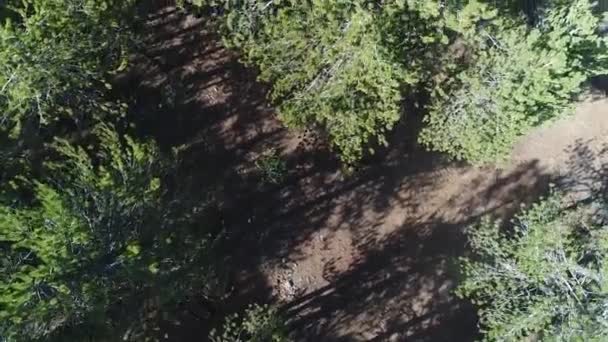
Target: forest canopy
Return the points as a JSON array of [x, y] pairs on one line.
[[95, 217], [347, 67]]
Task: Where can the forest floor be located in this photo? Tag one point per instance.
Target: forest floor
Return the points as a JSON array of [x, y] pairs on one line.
[[364, 257]]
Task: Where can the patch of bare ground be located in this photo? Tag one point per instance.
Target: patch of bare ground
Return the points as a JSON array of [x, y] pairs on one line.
[[366, 257]]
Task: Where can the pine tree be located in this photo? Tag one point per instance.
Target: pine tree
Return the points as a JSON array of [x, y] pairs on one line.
[[64, 255], [340, 66], [542, 279], [511, 78], [99, 237], [53, 57]]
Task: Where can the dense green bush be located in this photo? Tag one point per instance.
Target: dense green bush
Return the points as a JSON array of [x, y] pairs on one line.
[[544, 279], [511, 77]]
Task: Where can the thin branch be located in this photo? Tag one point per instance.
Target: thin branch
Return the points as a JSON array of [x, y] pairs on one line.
[[10, 79]]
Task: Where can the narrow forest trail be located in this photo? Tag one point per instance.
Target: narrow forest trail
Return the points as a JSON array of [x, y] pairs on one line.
[[368, 257]]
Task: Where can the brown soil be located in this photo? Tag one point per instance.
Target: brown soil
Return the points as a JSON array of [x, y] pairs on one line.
[[365, 257]]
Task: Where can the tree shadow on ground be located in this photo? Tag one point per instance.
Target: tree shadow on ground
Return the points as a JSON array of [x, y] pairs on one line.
[[190, 95], [399, 287], [389, 233], [599, 86], [586, 177]]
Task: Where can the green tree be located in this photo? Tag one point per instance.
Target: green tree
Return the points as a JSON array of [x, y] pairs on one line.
[[545, 278], [55, 57], [98, 238], [510, 77], [258, 323], [340, 66]]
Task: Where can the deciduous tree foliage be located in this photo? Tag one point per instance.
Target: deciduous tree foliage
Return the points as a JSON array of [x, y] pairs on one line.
[[544, 279]]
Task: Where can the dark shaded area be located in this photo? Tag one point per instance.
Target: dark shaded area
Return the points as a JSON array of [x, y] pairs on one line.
[[532, 9], [599, 85], [399, 277], [587, 178]]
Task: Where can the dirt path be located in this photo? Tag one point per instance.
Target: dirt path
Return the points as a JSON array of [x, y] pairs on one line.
[[368, 257]]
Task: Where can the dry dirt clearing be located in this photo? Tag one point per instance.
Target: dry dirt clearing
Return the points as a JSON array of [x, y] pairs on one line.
[[380, 264], [367, 257]]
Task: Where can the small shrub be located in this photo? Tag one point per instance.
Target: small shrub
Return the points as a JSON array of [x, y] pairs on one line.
[[272, 167], [259, 323]]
